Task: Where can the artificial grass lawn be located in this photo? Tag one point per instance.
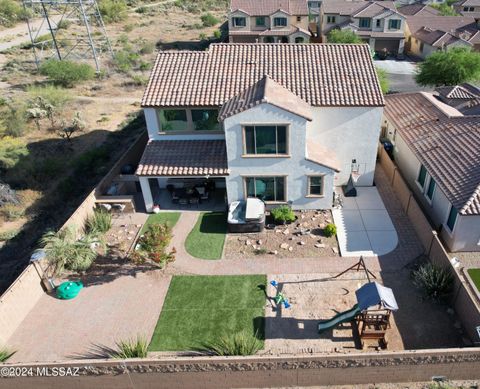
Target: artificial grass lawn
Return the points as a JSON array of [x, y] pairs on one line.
[[475, 276], [207, 238], [171, 218], [199, 309]]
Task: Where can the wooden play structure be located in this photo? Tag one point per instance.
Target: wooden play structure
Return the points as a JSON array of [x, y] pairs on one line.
[[370, 317]]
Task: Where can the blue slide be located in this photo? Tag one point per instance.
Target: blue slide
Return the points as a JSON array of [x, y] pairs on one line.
[[340, 318]]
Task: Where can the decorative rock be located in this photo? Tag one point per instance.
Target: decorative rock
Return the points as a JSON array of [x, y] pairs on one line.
[[259, 242], [301, 243], [335, 250], [274, 252], [254, 246], [286, 232], [290, 249], [284, 246], [319, 245], [278, 231], [138, 225], [302, 216], [242, 252], [247, 243]]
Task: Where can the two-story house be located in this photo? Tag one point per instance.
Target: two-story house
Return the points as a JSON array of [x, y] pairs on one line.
[[468, 8], [268, 21], [436, 148], [376, 22], [285, 123]]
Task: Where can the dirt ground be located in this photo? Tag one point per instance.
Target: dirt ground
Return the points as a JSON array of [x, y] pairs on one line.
[[418, 324], [304, 238]]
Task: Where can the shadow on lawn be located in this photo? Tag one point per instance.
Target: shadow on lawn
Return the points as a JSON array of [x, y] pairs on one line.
[[214, 223]]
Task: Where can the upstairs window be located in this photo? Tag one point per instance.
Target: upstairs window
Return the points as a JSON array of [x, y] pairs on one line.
[[364, 22], [378, 23], [299, 18], [452, 218], [205, 119], [468, 9], [431, 189], [173, 120], [394, 24], [422, 175], [260, 21], [280, 22], [265, 140], [239, 22], [331, 19]]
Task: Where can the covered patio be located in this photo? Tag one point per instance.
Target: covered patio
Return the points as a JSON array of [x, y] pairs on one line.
[[184, 174]]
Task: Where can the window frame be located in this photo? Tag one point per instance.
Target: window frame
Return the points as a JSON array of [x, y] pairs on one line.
[[245, 177], [309, 185], [234, 21], [280, 18], [299, 18], [451, 229], [394, 20], [421, 185], [430, 198], [162, 126], [363, 19], [331, 19], [378, 23], [245, 154]]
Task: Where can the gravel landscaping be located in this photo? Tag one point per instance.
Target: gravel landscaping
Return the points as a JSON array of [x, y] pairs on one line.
[[303, 238]]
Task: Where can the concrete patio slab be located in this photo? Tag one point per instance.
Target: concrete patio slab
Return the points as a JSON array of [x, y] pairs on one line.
[[364, 226]]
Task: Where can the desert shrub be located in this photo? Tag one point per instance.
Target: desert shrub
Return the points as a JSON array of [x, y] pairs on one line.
[[147, 48], [330, 230], [12, 212], [138, 80], [217, 34], [58, 97], [343, 36], [141, 10], [209, 20], [91, 161], [13, 120], [240, 343], [113, 10], [64, 24], [152, 246], [11, 151], [435, 281], [260, 251], [66, 73], [130, 348], [76, 125], [100, 222], [11, 12], [283, 214], [7, 235], [5, 353], [125, 60], [64, 251], [128, 27], [383, 79]]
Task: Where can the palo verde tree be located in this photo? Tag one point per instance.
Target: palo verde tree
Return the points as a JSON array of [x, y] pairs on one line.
[[451, 67], [342, 36]]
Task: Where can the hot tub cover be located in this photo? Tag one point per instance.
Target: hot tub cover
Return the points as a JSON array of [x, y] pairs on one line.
[[373, 293], [255, 209]]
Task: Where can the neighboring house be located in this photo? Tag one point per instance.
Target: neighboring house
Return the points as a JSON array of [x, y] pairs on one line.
[[468, 8], [285, 123], [418, 9], [268, 21], [465, 98], [437, 151], [376, 22], [428, 33]]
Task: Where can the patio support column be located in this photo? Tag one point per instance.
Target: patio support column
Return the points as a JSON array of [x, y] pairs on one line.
[[147, 193]]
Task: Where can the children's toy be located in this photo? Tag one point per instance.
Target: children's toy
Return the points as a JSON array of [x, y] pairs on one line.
[[69, 290], [279, 297]]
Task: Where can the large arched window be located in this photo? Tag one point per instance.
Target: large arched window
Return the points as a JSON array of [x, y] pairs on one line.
[[299, 39]]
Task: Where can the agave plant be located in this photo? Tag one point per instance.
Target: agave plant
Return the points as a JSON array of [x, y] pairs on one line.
[[5, 353], [436, 282], [130, 348], [64, 251], [240, 343]]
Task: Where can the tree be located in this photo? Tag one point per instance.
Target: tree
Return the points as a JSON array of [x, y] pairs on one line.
[[342, 36], [451, 67], [383, 79], [445, 9], [77, 125], [49, 98], [36, 114]]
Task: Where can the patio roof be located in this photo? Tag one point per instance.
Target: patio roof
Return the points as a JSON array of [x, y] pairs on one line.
[[184, 158]]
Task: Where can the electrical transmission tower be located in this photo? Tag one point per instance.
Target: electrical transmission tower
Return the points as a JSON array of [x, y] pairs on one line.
[[67, 29]]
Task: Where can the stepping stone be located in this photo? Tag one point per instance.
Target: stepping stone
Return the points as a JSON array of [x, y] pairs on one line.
[[320, 246], [284, 246], [290, 249]]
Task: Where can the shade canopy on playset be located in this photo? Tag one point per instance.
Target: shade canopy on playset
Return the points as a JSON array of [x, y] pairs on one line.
[[375, 295]]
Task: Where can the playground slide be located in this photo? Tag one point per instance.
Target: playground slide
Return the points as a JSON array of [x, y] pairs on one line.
[[342, 317]]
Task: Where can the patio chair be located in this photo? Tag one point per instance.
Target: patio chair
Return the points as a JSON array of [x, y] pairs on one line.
[[194, 200], [204, 196]]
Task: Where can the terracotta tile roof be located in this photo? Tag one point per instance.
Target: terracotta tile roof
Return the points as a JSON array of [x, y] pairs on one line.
[[320, 74], [321, 155], [184, 158], [468, 3], [447, 144], [266, 91], [375, 9], [456, 92], [268, 7], [417, 9], [451, 24], [345, 8]]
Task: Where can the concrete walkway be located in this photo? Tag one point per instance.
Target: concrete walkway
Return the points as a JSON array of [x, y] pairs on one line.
[[408, 248]]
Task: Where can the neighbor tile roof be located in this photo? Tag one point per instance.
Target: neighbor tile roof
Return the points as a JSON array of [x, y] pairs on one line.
[[184, 158], [456, 92], [376, 8], [417, 9], [320, 74], [447, 144], [452, 24], [266, 91], [357, 8], [468, 3], [268, 7]]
